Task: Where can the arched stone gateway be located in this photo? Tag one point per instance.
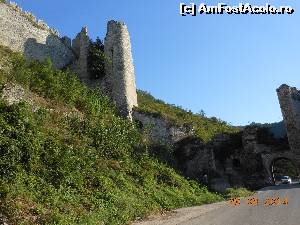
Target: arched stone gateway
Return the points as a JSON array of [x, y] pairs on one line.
[[243, 159], [270, 159], [246, 159]]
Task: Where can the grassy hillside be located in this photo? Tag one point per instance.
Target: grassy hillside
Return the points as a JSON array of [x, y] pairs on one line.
[[87, 167], [205, 128]]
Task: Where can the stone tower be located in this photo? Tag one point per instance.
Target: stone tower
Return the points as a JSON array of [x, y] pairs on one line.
[[289, 99], [80, 46], [120, 78]]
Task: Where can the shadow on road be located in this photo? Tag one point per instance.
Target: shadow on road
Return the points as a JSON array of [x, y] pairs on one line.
[[281, 187]]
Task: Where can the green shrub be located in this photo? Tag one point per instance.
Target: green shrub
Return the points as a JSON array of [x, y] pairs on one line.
[[237, 192], [97, 59], [57, 85]]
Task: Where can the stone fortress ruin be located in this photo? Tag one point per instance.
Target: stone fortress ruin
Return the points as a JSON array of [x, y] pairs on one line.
[[247, 158], [229, 160], [20, 31], [289, 98]]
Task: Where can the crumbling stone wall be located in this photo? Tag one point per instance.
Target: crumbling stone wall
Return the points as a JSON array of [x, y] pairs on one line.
[[243, 159], [160, 130], [289, 99], [120, 77], [119, 80], [80, 46], [20, 32]]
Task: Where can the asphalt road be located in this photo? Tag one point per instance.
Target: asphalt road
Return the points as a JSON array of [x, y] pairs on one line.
[[266, 212]]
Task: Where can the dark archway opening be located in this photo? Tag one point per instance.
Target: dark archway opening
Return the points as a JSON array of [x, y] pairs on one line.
[[236, 164], [283, 167]]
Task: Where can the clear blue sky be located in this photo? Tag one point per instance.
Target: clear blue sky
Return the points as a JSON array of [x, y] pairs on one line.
[[227, 65]]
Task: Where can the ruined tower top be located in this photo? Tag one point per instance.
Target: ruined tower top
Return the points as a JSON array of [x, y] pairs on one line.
[[120, 76], [80, 46]]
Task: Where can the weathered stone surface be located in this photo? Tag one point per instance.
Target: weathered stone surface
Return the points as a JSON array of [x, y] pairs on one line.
[[67, 41], [21, 34], [80, 46], [219, 184], [195, 158], [120, 78], [13, 93], [289, 99], [161, 130]]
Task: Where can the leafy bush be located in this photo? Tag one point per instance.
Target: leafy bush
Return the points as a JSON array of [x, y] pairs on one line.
[[59, 86], [237, 192], [90, 169], [97, 59]]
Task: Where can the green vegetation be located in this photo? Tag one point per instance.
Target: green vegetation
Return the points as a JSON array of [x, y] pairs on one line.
[[237, 192], [87, 168], [205, 128], [97, 59], [284, 167]]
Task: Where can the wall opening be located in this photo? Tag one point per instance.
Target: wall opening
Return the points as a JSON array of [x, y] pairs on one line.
[[283, 167], [236, 164]]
